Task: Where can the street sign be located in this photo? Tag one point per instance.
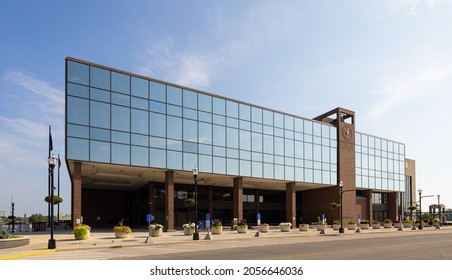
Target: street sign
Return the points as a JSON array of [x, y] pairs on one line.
[[149, 218]]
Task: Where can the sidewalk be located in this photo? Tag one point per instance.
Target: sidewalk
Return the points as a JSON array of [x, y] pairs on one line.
[[105, 239]]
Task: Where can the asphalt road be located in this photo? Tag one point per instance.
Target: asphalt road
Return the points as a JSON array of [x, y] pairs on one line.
[[391, 247], [406, 245]]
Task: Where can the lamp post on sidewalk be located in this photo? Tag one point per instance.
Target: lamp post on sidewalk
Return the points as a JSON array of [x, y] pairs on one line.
[[195, 175], [420, 209], [439, 210], [341, 185], [52, 160]]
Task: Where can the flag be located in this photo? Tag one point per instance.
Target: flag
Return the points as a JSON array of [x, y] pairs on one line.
[[50, 141], [59, 161]]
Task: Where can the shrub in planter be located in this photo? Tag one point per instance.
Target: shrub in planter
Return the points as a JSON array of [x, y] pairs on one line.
[[82, 231], [56, 199]]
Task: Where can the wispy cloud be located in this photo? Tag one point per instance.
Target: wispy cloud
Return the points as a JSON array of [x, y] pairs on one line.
[[386, 8], [24, 130], [415, 82], [236, 41], [50, 98]]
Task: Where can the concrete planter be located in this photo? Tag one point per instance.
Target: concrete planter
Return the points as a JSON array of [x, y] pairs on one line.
[[336, 227], [364, 226], [217, 229], [264, 228], [387, 225], [14, 242], [242, 229], [303, 227], [351, 226], [407, 225], [189, 230], [321, 227], [284, 228], [155, 232], [121, 235], [398, 225], [376, 226]]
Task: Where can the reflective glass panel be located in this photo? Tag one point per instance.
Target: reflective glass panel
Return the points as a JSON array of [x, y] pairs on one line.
[[77, 90], [120, 118], [140, 156], [190, 161], [205, 102], [219, 106], [219, 165], [120, 137], [190, 130], [232, 138], [77, 110], [174, 95], [77, 73], [232, 109], [174, 127], [190, 99], [219, 135], [120, 154], [158, 92], [120, 82], [157, 158], [140, 88], [100, 134], [205, 133], [158, 124], [205, 163], [140, 122], [77, 149], [100, 151], [77, 131], [100, 78], [174, 160], [245, 112], [100, 95], [139, 103], [99, 114]]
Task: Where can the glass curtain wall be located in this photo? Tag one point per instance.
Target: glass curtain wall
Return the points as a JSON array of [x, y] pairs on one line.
[[380, 163], [118, 118]]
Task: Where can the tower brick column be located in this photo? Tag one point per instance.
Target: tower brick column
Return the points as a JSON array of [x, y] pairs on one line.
[[393, 198], [77, 193]]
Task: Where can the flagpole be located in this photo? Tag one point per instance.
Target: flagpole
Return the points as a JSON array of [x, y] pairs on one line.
[[58, 205], [48, 173]]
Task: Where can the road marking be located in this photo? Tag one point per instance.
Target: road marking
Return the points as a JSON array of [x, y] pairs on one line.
[[28, 255]]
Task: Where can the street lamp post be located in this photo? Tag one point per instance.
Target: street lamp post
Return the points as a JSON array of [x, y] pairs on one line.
[[12, 216], [439, 210], [341, 185], [52, 163], [195, 175], [420, 208]]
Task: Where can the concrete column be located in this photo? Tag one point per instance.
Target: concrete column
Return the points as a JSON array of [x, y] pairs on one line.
[[238, 198], [393, 206], [151, 198], [77, 193], [291, 205], [169, 200], [210, 201], [368, 195]]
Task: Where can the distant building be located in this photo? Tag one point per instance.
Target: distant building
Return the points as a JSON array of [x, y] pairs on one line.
[[132, 142]]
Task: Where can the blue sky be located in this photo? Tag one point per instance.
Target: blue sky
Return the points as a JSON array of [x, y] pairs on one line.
[[390, 61]]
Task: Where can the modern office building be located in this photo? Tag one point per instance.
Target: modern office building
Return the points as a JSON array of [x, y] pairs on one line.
[[133, 141]]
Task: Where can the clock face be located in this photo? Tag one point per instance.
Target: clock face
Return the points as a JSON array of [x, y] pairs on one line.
[[347, 133]]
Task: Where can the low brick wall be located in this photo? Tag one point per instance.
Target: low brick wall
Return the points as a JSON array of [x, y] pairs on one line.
[[14, 242]]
